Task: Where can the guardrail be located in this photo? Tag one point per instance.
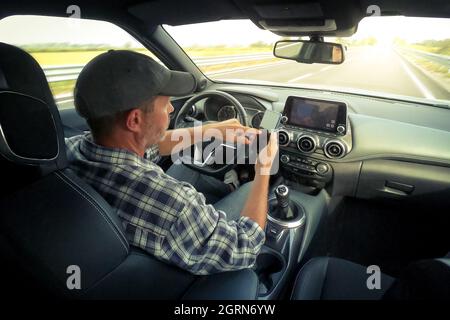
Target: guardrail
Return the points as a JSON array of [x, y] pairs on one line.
[[70, 72], [437, 58], [208, 61], [56, 73], [62, 73]]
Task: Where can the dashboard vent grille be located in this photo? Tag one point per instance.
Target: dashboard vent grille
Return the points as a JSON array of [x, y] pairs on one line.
[[334, 149], [283, 138], [306, 144]]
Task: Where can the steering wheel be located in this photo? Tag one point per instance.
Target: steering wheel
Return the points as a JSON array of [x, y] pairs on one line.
[[204, 163]]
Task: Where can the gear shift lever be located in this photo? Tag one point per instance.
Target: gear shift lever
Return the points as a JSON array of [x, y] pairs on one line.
[[284, 211]]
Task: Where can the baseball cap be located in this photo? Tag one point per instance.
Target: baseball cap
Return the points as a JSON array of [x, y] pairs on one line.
[[119, 80]]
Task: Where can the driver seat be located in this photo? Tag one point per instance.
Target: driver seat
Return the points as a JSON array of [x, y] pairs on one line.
[[57, 231]]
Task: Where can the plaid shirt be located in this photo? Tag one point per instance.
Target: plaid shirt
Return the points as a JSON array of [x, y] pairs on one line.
[[166, 217]]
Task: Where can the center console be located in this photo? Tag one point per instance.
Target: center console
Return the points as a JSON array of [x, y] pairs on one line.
[[284, 233], [313, 133]]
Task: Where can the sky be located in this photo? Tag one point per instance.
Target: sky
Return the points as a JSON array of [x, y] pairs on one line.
[[383, 28], [21, 30]]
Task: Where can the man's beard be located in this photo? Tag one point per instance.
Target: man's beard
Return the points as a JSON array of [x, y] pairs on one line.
[[162, 133]]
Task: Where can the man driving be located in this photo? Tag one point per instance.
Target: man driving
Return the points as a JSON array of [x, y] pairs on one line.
[[125, 98]]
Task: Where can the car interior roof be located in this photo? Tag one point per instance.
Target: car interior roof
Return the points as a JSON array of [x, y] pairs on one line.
[[346, 13]]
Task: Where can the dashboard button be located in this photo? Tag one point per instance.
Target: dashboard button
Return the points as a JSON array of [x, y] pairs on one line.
[[285, 158], [340, 129], [322, 168]]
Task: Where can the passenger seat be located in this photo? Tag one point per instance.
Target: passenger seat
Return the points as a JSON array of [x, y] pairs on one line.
[[327, 278]]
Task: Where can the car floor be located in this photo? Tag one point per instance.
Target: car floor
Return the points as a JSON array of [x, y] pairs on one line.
[[389, 234]]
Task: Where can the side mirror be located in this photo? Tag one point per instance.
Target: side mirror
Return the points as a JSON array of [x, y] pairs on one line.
[[309, 51]]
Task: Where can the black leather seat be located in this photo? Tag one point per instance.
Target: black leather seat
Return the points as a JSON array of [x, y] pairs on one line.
[[50, 219], [326, 278]]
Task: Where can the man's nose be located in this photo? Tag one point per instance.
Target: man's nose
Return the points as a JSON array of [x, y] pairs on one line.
[[171, 108]]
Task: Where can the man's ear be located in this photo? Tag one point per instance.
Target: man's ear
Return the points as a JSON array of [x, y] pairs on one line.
[[134, 120]]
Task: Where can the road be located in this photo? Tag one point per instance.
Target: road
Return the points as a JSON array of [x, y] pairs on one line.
[[367, 68], [373, 69]]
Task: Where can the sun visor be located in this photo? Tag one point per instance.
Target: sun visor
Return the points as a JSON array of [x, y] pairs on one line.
[[327, 18], [300, 26], [289, 11]]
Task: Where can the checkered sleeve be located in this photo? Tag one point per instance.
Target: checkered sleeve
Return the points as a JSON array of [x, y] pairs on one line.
[[71, 145], [152, 153], [202, 241]]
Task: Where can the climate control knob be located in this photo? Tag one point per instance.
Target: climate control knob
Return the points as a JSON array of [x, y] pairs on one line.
[[285, 158], [340, 129], [322, 168]]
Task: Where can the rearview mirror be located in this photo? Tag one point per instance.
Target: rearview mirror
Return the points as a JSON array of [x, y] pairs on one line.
[[309, 51]]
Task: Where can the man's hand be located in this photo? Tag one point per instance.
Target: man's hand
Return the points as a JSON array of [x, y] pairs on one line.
[[230, 131], [256, 206], [267, 156]]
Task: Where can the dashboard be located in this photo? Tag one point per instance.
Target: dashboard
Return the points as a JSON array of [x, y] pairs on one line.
[[386, 148], [356, 145], [218, 109], [312, 132]]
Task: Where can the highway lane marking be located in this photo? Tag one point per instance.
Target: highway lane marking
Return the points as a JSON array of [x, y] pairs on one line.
[[325, 69], [248, 68], [311, 74], [239, 69], [417, 82], [301, 77]]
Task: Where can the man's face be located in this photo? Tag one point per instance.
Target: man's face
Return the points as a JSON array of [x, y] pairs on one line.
[[157, 121]]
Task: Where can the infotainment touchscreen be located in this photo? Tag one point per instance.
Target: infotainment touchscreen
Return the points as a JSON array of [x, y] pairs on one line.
[[315, 114]]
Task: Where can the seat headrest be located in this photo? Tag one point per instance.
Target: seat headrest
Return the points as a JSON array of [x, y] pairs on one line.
[[21, 73], [30, 126]]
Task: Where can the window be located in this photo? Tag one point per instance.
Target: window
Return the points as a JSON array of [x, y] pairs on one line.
[[405, 56], [62, 46]]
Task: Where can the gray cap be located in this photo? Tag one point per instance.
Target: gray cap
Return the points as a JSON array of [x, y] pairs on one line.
[[120, 80]]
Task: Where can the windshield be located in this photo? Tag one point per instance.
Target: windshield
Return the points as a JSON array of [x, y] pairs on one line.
[[387, 55]]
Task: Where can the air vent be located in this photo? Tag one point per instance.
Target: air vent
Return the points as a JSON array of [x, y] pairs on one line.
[[306, 144], [283, 138], [334, 149]]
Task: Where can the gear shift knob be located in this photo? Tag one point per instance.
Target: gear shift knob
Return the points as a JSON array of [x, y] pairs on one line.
[[284, 210], [282, 194]]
